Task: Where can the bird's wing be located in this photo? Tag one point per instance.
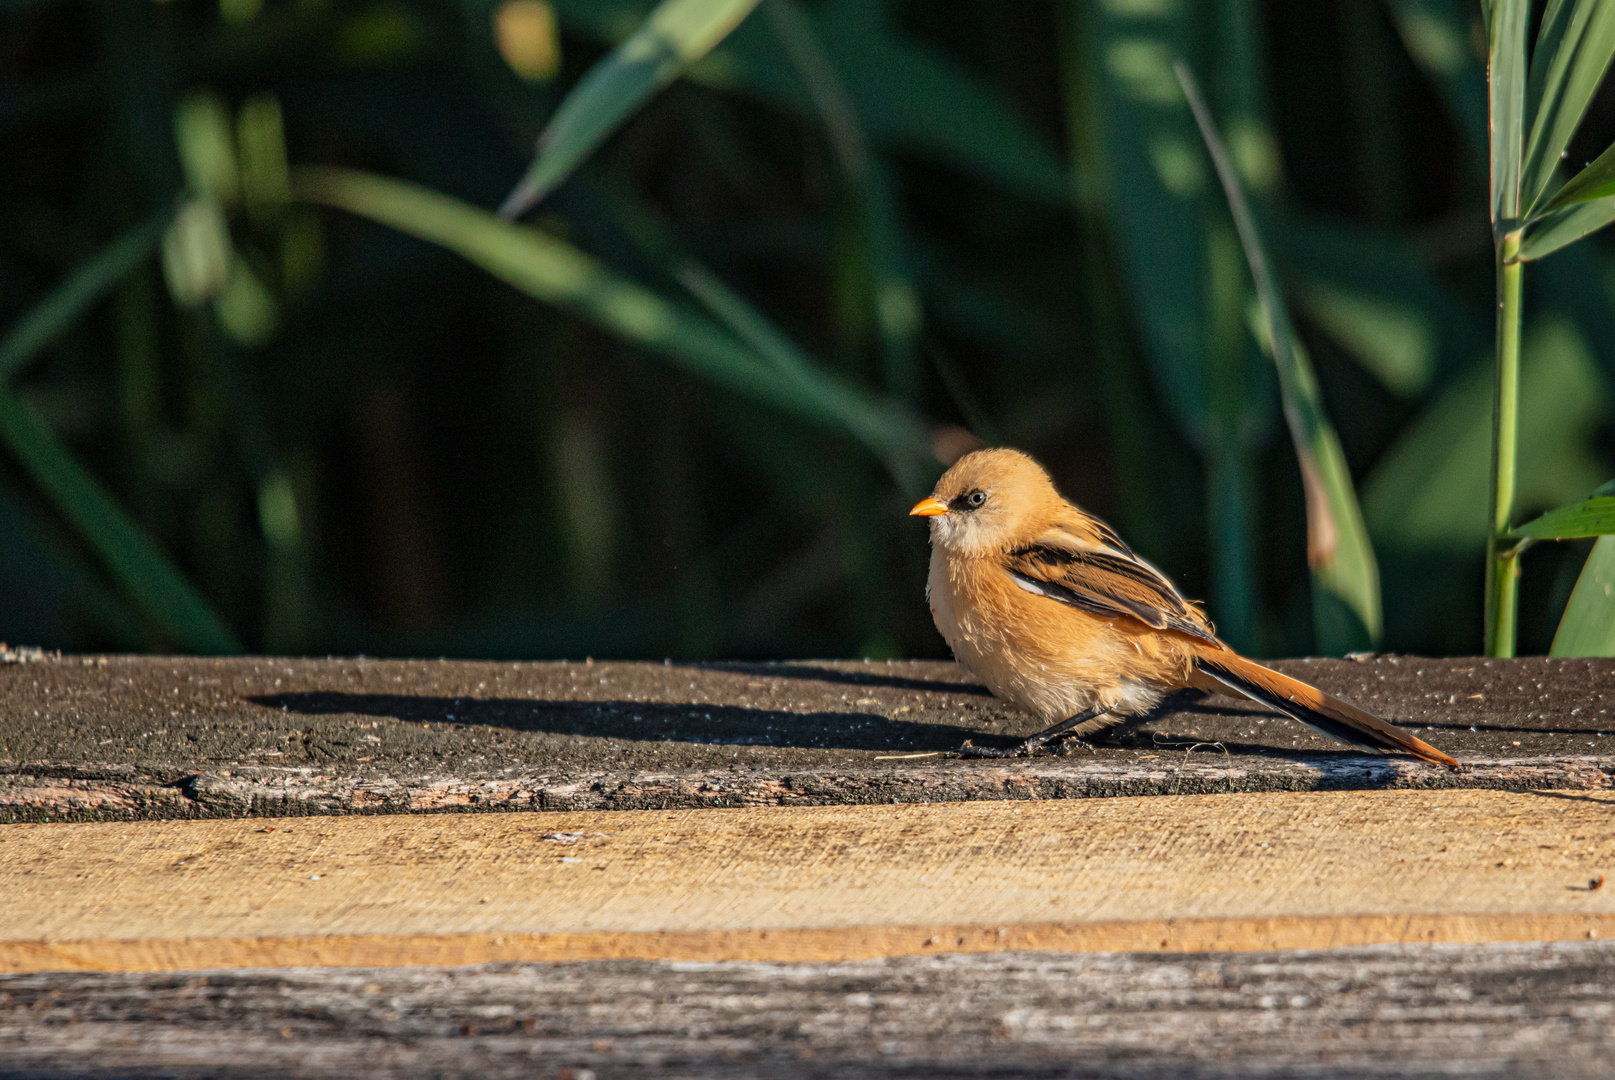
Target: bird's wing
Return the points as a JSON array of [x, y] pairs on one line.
[[1101, 575]]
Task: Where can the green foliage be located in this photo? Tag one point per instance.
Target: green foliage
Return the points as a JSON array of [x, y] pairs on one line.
[[760, 365], [1573, 50], [1574, 46], [1588, 625], [147, 576], [1394, 340], [1594, 517], [66, 304], [783, 261], [1588, 628], [676, 35], [1509, 23], [904, 94], [149, 579], [1427, 493], [1338, 549], [1186, 283], [1594, 182]]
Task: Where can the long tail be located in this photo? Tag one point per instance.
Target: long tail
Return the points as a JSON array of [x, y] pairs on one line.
[[1314, 708]]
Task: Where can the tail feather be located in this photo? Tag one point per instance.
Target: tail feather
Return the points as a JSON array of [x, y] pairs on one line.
[[1314, 708]]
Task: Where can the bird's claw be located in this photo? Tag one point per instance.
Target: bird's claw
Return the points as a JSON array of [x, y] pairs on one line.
[[1053, 748], [969, 750], [1071, 746]]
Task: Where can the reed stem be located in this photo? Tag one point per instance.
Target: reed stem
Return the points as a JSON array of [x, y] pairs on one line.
[[1502, 560]]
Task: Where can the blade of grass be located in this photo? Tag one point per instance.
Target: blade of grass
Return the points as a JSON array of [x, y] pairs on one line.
[[1338, 548], [1596, 181], [1573, 50], [895, 303], [678, 33], [872, 424], [1587, 627], [151, 581], [84, 286], [1436, 35], [1506, 77], [1593, 517], [553, 271], [905, 92], [1554, 229], [655, 243]]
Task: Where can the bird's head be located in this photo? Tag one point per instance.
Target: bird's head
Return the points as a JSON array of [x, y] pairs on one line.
[[990, 500]]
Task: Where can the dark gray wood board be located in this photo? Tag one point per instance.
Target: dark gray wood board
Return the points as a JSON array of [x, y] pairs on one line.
[[152, 737], [1540, 1011]]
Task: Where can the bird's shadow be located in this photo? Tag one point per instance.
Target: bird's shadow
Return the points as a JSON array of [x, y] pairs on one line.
[[734, 725], [726, 725], [846, 678]]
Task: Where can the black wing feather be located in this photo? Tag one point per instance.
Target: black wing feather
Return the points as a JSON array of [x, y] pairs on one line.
[[1106, 583]]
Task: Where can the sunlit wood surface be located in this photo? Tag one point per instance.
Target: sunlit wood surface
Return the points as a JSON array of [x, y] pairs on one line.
[[1209, 872]]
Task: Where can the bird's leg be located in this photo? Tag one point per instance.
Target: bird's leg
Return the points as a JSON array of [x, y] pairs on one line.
[[1032, 742]]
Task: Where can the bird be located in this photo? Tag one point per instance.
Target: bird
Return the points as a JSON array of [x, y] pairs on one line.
[[1048, 607]]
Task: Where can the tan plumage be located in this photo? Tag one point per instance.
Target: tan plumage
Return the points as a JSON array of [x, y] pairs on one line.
[[1055, 614]]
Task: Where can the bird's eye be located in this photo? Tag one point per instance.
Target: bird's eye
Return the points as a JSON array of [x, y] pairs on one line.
[[975, 499]]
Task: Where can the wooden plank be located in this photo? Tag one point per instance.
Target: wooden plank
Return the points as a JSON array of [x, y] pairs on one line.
[[1545, 1010], [107, 738], [1231, 872]]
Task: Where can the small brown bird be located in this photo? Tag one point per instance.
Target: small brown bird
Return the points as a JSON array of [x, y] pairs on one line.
[[1051, 610]]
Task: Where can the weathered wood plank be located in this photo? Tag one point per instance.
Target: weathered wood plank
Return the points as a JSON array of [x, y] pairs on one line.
[[1220, 872], [129, 737], [1475, 1011]]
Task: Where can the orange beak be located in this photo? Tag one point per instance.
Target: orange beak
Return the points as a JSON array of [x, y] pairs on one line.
[[928, 507]]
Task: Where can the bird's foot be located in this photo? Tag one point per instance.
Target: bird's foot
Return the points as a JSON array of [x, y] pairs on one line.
[[1071, 746], [969, 750], [1053, 748]]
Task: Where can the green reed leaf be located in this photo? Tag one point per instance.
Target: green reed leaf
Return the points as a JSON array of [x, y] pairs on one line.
[[1592, 517], [1553, 230], [1587, 627], [1573, 50], [87, 283], [905, 92], [1338, 548], [155, 585], [1596, 181], [896, 436], [678, 33], [1509, 25], [551, 270]]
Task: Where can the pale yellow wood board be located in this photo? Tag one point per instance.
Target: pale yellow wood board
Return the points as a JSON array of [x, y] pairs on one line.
[[1197, 872]]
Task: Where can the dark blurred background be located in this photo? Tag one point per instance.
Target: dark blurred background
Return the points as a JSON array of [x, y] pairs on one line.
[[364, 443]]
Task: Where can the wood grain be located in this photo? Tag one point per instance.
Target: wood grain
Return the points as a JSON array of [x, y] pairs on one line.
[[1507, 1010], [1231, 872]]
